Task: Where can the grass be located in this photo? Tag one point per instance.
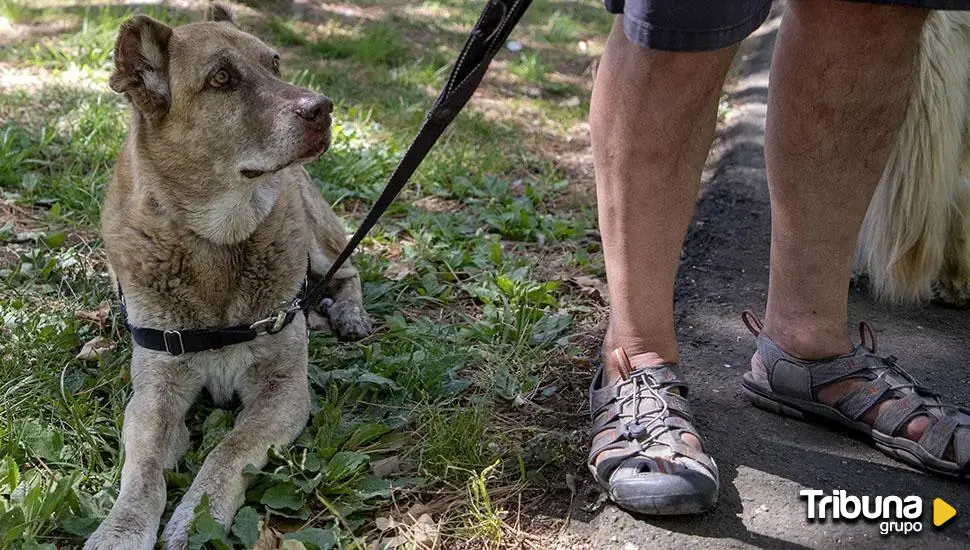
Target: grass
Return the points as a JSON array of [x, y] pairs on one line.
[[463, 403]]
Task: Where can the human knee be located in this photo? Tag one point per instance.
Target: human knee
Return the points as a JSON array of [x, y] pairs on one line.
[[875, 21]]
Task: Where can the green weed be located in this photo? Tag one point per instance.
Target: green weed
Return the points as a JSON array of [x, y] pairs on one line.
[[530, 68], [457, 442], [483, 521]]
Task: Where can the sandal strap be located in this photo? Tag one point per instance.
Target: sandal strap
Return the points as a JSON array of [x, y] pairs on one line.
[[831, 371], [857, 402], [961, 447], [700, 457], [936, 438], [898, 412], [603, 469]]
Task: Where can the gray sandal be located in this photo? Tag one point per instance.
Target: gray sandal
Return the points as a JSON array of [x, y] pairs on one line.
[[651, 470], [791, 385]]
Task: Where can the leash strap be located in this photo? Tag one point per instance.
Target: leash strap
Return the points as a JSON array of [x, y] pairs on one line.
[[487, 37]]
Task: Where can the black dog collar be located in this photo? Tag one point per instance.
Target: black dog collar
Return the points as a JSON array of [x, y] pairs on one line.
[[177, 342]]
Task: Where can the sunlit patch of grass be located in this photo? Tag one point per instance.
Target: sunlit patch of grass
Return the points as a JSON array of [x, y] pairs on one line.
[[562, 28], [530, 68], [566, 22], [64, 157], [14, 11], [92, 43], [419, 75], [380, 44], [376, 43], [483, 520]]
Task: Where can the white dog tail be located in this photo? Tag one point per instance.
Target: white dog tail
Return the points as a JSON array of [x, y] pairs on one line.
[[912, 215]]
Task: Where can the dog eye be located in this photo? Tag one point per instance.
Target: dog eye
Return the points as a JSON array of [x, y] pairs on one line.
[[276, 64], [219, 79]]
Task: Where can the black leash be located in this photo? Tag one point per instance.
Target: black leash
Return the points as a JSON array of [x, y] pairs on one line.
[[487, 37]]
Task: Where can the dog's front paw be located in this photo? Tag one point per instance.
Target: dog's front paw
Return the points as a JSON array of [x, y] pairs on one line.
[[176, 533], [348, 320], [118, 534]]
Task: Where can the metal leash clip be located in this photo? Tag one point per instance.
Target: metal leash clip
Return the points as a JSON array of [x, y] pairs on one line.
[[275, 322]]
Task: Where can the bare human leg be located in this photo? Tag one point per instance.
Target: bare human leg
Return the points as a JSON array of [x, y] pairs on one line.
[[840, 83], [652, 118], [652, 121]]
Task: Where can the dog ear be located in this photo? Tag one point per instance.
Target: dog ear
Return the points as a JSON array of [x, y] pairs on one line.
[[217, 12], [141, 65]]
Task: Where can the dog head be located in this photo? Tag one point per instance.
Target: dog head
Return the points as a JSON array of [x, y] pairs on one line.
[[210, 106]]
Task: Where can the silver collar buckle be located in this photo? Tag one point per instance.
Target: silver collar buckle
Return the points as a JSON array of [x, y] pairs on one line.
[[275, 322]]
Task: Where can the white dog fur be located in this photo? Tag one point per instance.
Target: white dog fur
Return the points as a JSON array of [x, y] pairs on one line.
[[915, 241]]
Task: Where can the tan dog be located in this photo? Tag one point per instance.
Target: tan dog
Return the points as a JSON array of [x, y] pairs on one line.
[[915, 243], [209, 222]]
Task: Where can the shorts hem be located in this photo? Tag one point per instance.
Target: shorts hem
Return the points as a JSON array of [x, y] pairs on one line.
[[646, 35]]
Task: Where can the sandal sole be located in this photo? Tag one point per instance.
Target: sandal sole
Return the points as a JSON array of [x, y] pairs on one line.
[[899, 448], [666, 509], [663, 505]]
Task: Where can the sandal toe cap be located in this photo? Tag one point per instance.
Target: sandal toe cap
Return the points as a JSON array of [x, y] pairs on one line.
[[684, 491]]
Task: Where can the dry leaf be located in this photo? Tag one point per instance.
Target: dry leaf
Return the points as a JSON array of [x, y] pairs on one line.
[[425, 531], [396, 271], [436, 204], [96, 349], [417, 511], [392, 251], [268, 540], [99, 316], [383, 524], [426, 519], [593, 286], [571, 102], [386, 466]]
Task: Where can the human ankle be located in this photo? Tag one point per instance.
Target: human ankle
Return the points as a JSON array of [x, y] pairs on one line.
[[633, 350], [806, 342]]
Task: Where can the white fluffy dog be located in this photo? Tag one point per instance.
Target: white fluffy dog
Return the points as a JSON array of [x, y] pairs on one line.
[[915, 242]]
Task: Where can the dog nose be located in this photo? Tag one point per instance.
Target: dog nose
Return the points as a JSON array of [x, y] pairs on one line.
[[315, 109]]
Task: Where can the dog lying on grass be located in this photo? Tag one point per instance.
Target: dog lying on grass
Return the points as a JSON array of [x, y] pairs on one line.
[[915, 242], [209, 222]]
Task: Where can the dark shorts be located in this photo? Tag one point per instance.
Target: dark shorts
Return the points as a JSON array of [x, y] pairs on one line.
[[704, 25]]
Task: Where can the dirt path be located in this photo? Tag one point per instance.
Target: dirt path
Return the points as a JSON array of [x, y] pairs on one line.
[[765, 460]]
